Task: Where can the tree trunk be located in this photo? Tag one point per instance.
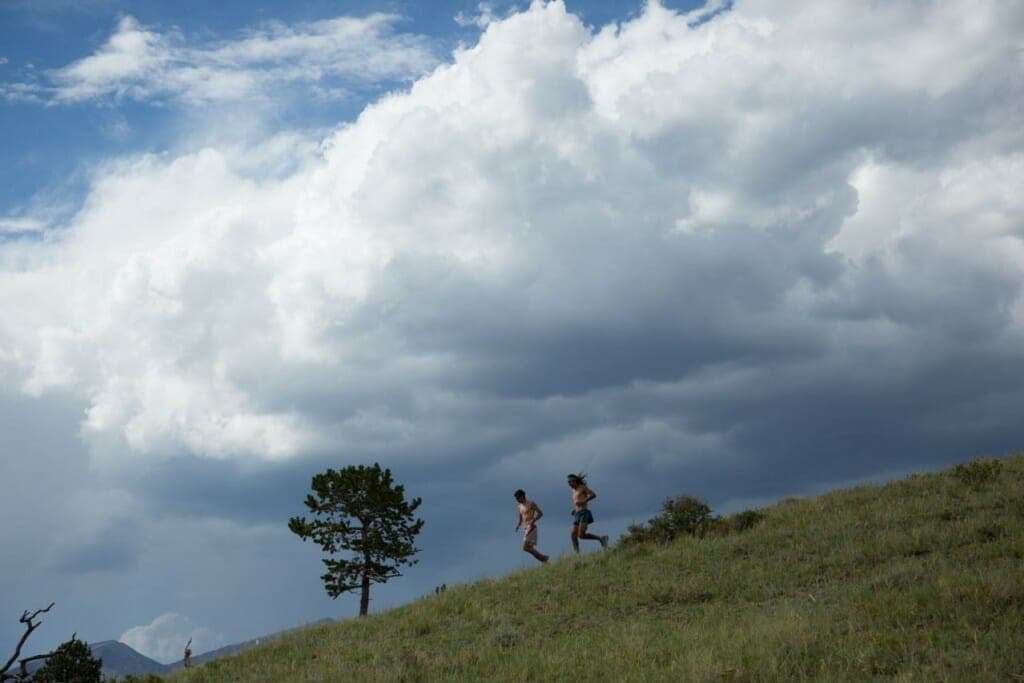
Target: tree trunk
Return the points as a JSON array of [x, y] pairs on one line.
[[364, 600]]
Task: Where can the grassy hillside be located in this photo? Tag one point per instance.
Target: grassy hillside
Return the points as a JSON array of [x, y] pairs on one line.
[[921, 579]]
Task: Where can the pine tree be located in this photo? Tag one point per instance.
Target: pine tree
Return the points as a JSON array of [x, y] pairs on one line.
[[71, 662], [361, 510]]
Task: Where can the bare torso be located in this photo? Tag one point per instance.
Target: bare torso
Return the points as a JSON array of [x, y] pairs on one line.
[[528, 512], [580, 496]]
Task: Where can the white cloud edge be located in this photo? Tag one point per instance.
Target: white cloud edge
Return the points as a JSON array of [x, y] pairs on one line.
[[23, 225], [327, 56], [164, 638]]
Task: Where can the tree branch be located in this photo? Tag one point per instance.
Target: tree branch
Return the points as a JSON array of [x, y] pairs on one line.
[[23, 664], [29, 627]]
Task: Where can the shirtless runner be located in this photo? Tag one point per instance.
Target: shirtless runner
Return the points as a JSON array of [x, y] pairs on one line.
[[529, 514], [582, 517]]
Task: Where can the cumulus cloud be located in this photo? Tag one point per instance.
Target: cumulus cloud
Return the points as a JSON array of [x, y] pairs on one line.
[[686, 240], [21, 225], [334, 55], [485, 14], [164, 638]]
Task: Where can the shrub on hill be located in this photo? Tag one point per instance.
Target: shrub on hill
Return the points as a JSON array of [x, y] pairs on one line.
[[978, 473], [742, 521], [688, 516]]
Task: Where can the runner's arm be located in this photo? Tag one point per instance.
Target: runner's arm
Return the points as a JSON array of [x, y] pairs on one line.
[[538, 513]]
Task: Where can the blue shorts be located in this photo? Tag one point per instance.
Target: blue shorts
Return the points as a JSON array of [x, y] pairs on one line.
[[582, 517]]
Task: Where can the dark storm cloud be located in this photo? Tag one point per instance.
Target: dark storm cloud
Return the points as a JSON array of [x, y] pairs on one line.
[[43, 465], [115, 548]]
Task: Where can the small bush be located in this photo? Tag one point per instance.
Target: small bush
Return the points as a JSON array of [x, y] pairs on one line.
[[742, 521], [636, 534], [717, 526], [688, 516], [978, 473], [685, 515], [680, 516], [733, 524]]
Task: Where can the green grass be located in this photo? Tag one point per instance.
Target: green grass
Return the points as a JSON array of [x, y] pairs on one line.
[[921, 579]]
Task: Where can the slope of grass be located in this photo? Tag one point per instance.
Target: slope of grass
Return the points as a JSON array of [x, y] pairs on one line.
[[921, 579]]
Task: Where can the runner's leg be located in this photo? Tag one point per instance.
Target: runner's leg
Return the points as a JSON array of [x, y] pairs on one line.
[[583, 533], [530, 543], [536, 553]]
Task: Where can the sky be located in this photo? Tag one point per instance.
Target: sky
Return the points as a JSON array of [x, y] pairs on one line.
[[741, 250]]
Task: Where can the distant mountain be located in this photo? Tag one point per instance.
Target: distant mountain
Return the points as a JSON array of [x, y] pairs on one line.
[[228, 650], [121, 660]]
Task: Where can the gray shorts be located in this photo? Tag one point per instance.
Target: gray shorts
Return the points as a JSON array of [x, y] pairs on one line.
[[582, 517]]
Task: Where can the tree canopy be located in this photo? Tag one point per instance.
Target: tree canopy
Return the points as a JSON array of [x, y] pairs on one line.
[[360, 509], [71, 662]]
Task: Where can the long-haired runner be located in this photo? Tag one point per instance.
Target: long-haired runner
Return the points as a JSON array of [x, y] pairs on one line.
[[582, 517]]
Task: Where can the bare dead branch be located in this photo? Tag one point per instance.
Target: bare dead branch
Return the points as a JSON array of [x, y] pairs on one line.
[[23, 665], [30, 625]]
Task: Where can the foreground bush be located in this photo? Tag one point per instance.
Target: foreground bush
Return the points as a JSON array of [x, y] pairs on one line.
[[688, 516]]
